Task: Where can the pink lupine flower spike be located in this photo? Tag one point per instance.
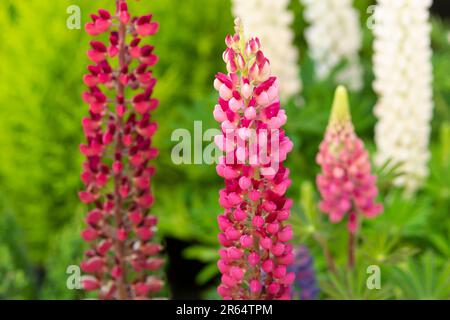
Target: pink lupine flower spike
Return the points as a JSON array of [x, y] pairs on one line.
[[346, 184], [255, 251]]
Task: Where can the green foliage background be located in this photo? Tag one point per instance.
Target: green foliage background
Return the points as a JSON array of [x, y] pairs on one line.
[[41, 66]]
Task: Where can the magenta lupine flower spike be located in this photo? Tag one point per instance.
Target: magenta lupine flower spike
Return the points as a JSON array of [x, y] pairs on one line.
[[116, 173], [346, 183], [255, 251]]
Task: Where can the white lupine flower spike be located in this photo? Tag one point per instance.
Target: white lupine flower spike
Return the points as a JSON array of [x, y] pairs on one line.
[[270, 21], [403, 82], [334, 38]]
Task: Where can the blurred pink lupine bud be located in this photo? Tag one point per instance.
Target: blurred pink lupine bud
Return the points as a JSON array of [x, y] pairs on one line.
[[119, 229], [145, 27], [246, 241], [346, 183], [90, 283], [256, 255], [89, 234], [100, 23]]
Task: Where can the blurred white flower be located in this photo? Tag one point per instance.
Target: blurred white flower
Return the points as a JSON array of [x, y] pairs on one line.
[[270, 21], [403, 82], [334, 39]]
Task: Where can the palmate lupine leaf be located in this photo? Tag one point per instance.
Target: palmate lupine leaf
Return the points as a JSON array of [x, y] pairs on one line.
[[442, 242], [14, 283], [404, 216], [67, 249], [426, 277], [17, 279], [352, 285]]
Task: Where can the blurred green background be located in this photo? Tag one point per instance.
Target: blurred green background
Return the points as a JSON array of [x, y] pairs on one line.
[[41, 67]]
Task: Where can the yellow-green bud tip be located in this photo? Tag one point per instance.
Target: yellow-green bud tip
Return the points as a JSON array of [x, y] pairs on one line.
[[340, 111]]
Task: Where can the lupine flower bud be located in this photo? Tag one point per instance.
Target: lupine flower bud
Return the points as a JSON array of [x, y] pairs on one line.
[[346, 184], [403, 82], [334, 37], [256, 252], [118, 148], [258, 20], [305, 287]]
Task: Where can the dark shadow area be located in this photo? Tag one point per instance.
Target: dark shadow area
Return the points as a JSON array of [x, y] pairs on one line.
[[441, 8], [181, 273]]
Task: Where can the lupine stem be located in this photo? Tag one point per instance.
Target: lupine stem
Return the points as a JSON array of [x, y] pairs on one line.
[[326, 252], [122, 279], [351, 249]]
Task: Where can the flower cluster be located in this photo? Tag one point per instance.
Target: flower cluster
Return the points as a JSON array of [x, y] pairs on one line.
[[270, 21], [116, 173], [403, 82], [346, 183], [334, 37], [255, 254], [306, 282]]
